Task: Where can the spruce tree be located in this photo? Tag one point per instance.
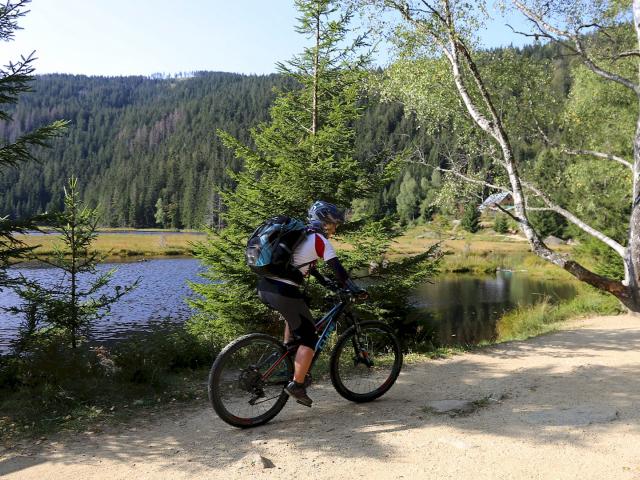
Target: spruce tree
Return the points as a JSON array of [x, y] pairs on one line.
[[501, 225], [304, 153], [71, 305], [470, 218], [14, 80]]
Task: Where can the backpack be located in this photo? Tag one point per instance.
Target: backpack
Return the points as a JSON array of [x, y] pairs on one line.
[[270, 247]]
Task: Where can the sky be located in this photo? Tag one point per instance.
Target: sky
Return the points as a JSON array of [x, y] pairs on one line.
[[143, 37]]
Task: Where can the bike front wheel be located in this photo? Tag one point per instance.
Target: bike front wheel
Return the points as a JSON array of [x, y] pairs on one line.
[[365, 362], [247, 380]]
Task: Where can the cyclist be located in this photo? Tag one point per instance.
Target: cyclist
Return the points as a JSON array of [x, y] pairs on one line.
[[284, 295]]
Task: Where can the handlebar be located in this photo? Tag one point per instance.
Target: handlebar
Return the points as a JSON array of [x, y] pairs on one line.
[[346, 295]]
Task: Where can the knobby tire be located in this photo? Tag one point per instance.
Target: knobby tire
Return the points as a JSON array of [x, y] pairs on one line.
[[234, 373], [352, 378]]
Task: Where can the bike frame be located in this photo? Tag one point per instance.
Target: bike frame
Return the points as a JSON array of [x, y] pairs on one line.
[[327, 324]]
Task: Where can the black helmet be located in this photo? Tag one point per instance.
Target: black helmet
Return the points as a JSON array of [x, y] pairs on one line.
[[325, 212]]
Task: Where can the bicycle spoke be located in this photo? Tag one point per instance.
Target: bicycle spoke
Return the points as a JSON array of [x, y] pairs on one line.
[[240, 389], [367, 363]]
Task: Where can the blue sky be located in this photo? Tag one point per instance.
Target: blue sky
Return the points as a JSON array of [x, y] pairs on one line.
[[141, 37]]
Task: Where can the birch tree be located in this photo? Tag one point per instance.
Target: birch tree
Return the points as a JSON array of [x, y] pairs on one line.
[[442, 33]]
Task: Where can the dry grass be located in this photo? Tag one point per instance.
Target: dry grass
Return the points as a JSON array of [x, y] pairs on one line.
[[476, 253], [126, 245]]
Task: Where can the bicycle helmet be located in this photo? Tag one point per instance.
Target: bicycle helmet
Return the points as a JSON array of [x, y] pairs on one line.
[[325, 212]]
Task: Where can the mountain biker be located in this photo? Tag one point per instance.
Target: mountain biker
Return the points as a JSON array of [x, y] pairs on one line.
[[284, 295]]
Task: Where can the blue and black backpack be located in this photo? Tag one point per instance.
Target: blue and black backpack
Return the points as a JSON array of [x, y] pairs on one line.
[[270, 247]]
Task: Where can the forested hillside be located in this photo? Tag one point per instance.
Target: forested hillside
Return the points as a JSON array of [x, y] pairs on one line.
[[139, 144], [146, 149]]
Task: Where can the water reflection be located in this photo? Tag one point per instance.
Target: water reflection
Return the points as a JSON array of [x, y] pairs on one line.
[[464, 309], [453, 310], [159, 297]]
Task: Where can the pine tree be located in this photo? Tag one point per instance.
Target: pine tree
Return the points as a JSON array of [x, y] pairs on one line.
[[304, 153], [14, 80], [70, 305]]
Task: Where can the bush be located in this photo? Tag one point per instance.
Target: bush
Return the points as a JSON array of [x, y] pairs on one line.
[[501, 225], [50, 360], [144, 357], [9, 373]]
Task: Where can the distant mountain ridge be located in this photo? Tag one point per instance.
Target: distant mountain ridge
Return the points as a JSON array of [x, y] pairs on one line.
[[135, 140]]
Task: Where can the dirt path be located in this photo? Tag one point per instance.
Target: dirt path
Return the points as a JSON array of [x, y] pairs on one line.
[[560, 406]]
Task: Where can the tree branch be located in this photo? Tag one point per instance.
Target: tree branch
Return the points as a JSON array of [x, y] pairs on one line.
[[618, 248], [575, 38], [592, 153]]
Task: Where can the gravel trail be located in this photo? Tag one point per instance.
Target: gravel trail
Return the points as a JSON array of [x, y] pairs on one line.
[[560, 406]]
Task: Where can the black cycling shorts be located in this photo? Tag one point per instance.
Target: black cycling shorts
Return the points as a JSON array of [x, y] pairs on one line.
[[288, 300]]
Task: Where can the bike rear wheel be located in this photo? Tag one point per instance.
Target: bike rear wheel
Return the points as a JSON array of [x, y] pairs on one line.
[[365, 362], [247, 380]]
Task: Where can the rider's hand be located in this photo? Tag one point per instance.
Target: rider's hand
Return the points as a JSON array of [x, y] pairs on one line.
[[360, 294]]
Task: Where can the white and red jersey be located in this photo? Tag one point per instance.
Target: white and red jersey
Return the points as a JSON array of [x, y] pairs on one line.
[[314, 247]]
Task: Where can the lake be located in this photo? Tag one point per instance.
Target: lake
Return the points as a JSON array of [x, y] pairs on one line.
[[159, 297], [453, 310], [463, 309]]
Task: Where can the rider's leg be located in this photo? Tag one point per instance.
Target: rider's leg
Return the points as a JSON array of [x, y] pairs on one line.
[[303, 360], [288, 336], [288, 300]]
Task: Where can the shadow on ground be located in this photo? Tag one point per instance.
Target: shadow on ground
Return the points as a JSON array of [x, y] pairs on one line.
[[541, 391]]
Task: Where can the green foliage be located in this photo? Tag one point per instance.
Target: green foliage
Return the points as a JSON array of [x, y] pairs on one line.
[[160, 215], [500, 224], [15, 79], [470, 218], [68, 305]]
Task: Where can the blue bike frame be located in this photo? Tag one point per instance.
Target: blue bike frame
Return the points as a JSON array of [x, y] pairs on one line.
[[328, 324]]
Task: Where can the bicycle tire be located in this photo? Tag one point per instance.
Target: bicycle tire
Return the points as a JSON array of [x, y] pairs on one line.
[[346, 370], [239, 382]]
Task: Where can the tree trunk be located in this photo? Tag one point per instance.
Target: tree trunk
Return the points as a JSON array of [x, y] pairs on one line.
[[316, 66], [632, 260]]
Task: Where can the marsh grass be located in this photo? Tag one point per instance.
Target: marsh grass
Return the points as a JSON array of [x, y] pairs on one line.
[[544, 317], [126, 245]]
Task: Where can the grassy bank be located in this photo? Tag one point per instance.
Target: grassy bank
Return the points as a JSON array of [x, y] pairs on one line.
[[545, 317], [126, 245]]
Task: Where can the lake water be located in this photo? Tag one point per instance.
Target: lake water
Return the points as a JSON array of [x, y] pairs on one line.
[[453, 310], [159, 297], [463, 309]]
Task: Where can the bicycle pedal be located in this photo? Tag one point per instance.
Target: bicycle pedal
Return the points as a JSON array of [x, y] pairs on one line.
[[305, 404]]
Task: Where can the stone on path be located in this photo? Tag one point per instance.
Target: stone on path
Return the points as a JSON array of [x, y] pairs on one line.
[[266, 463], [451, 406], [580, 416]]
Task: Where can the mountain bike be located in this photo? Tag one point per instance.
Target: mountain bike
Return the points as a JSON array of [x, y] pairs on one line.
[[247, 379]]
